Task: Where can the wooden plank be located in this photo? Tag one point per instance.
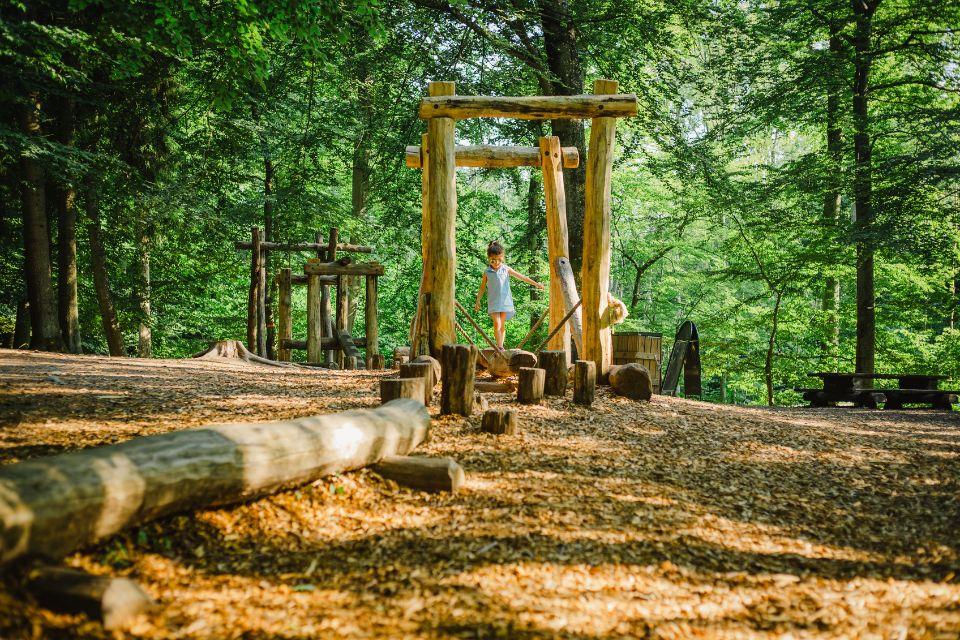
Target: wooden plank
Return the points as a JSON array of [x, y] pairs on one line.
[[334, 269], [595, 279], [253, 295], [531, 107], [492, 156], [321, 246], [53, 505], [557, 244]]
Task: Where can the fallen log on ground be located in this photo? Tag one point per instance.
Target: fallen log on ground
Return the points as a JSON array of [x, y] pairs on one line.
[[54, 505], [113, 601], [508, 361], [423, 474], [490, 386]]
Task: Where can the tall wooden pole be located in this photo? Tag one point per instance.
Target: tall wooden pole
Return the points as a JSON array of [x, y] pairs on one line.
[[284, 320], [442, 201], [253, 299], [595, 273], [341, 313], [314, 324], [326, 322], [370, 320], [551, 159], [420, 320]]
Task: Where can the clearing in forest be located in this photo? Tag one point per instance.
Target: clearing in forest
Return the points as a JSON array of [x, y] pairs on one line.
[[671, 518]]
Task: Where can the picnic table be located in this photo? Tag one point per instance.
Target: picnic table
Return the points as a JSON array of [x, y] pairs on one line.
[[912, 388]]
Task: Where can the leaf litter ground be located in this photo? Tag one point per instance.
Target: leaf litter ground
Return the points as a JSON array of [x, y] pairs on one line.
[[668, 519]]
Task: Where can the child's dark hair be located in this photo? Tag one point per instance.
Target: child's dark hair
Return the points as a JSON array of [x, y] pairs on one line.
[[494, 249]]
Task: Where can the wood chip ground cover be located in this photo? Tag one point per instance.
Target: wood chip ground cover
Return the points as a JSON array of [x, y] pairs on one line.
[[668, 519]]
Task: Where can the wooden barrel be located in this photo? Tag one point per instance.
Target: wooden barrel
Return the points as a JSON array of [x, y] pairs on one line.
[[642, 347]]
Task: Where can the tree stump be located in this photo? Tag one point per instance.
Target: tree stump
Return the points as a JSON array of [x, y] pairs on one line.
[[349, 363], [420, 370], [584, 381], [375, 362], [393, 388], [423, 474], [520, 358], [530, 387], [434, 363], [499, 421], [458, 366], [554, 364], [631, 380]]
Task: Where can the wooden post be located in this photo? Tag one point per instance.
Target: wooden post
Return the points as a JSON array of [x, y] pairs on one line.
[[314, 324], [458, 363], [499, 421], [262, 309], [530, 385], [554, 364], [420, 370], [370, 319], [442, 185], [253, 297], [557, 244], [342, 308], [584, 381], [418, 331], [393, 388], [595, 274], [284, 319], [376, 362], [326, 320]]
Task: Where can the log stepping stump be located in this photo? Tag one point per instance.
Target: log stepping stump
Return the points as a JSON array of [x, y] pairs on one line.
[[432, 475], [631, 380], [393, 388], [422, 370], [554, 364], [584, 381], [530, 386], [459, 368], [499, 421], [113, 601], [437, 370]]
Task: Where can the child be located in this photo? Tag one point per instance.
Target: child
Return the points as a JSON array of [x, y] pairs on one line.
[[496, 279]]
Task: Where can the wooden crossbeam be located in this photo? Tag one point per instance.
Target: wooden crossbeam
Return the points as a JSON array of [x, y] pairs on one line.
[[305, 246], [621, 105], [491, 156], [334, 269]]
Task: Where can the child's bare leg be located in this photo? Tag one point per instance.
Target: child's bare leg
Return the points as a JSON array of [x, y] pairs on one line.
[[498, 330]]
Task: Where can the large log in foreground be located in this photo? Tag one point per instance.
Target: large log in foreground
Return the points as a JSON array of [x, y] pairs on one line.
[[52, 506]]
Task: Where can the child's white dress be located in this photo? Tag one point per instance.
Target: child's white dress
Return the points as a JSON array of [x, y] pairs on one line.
[[499, 297]]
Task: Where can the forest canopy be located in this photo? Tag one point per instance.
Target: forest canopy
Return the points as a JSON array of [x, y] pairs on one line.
[[791, 183]]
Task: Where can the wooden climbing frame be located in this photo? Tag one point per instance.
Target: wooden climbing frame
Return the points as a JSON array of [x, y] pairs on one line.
[[438, 157]]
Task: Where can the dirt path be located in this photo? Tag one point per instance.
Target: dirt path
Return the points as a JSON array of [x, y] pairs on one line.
[[671, 519]]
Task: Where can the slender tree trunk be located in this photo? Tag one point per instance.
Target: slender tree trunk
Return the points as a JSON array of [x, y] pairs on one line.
[[65, 201], [563, 59], [98, 264], [768, 364], [268, 173], [145, 340], [830, 302], [45, 334], [360, 179], [863, 186]]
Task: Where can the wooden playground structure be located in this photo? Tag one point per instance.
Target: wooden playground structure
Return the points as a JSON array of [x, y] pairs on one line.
[[435, 323], [328, 337]]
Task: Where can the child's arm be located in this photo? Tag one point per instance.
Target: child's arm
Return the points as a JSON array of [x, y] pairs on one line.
[[520, 276], [483, 286]]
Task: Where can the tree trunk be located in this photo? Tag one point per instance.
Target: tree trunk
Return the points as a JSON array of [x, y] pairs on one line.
[[268, 172], [98, 264], [830, 302], [771, 343], [53, 505], [45, 333], [863, 185], [21, 327], [563, 59], [65, 202]]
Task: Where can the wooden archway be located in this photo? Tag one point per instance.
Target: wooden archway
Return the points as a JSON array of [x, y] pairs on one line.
[[438, 157]]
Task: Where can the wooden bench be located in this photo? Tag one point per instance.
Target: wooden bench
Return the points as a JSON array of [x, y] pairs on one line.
[[858, 388]]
